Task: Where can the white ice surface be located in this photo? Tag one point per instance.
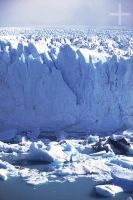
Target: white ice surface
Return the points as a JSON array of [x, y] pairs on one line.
[[108, 190], [3, 174], [66, 80]]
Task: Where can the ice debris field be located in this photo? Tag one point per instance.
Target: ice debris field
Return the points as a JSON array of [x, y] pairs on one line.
[[66, 101]]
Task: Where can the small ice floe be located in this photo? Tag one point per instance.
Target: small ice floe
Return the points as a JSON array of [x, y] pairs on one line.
[[33, 176], [38, 154], [56, 150], [128, 134], [71, 151], [123, 177], [108, 190], [7, 166], [8, 148], [100, 153], [70, 147], [93, 138], [6, 170], [3, 174], [3, 165]]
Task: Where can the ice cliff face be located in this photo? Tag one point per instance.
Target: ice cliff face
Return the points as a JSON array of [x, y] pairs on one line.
[[64, 88]]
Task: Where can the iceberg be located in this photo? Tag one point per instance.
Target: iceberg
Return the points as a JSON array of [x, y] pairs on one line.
[[38, 154], [108, 190]]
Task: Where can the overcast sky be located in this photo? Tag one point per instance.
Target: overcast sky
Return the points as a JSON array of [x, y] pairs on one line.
[[64, 12]]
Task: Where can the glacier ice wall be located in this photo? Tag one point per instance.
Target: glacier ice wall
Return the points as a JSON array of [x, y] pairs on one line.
[[64, 88]]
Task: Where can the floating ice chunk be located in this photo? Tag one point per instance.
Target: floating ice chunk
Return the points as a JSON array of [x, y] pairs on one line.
[[128, 134], [79, 169], [38, 154], [57, 164], [3, 174], [81, 149], [117, 137], [41, 179], [70, 147], [124, 178], [12, 148], [109, 155], [6, 170], [3, 165], [125, 162], [108, 190], [65, 172], [70, 179], [72, 169], [100, 153], [33, 176], [85, 149], [93, 138], [57, 152]]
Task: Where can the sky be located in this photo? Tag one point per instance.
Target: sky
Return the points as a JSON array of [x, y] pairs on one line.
[[64, 12]]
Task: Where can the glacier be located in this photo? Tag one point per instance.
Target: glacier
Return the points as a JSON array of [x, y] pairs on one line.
[[66, 107], [55, 83]]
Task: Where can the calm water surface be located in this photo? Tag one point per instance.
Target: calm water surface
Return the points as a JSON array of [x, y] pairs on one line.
[[81, 189]]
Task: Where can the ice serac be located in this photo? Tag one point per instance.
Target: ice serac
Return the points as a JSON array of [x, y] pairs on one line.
[[70, 89]]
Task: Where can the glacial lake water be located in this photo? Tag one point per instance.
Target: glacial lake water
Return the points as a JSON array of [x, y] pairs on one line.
[[81, 189]]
